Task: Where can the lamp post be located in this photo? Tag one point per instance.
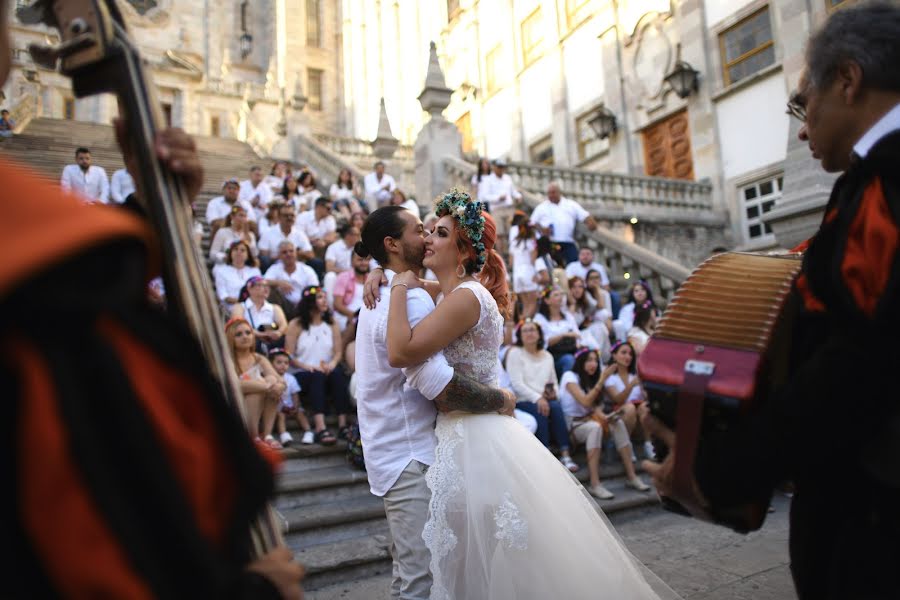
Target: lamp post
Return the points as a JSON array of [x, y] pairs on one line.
[[683, 78], [604, 123]]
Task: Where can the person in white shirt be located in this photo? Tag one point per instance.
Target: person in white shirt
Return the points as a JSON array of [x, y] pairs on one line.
[[218, 208], [230, 278], [307, 189], [286, 230], [121, 187], [339, 253], [319, 225], [85, 179], [557, 216], [256, 192], [523, 256], [290, 276], [398, 198], [344, 194], [500, 189], [481, 179], [236, 228], [585, 263], [379, 186], [623, 391], [277, 175], [398, 456]]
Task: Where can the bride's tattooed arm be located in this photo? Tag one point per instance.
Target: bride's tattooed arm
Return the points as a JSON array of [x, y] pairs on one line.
[[467, 395]]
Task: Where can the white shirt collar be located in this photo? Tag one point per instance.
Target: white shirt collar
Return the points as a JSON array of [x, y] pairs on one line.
[[889, 123]]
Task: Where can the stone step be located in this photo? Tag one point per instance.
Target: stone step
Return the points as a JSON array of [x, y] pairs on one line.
[[335, 512], [347, 560]]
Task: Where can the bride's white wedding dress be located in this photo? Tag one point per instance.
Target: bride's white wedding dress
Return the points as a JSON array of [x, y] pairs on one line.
[[506, 519]]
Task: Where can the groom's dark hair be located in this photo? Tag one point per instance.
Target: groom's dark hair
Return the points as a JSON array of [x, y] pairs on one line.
[[382, 223]]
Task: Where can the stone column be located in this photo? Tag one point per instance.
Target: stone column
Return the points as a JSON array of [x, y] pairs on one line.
[[438, 138]]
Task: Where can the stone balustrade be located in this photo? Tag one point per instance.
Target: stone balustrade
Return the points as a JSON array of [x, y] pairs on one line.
[[626, 261], [24, 111], [324, 161], [359, 149]]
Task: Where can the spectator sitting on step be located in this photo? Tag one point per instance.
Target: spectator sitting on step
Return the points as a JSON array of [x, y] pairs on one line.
[[261, 386], [309, 193], [560, 329], [255, 192], [644, 324], [480, 180], [357, 220], [582, 307], [378, 187], [237, 227], [344, 194], [87, 180], [557, 217], [121, 186], [585, 263], [319, 226], [639, 294], [290, 401], [533, 379], [602, 314], [522, 258], [348, 290], [286, 230], [289, 194], [314, 343], [218, 208], [290, 277], [503, 382], [267, 319], [337, 256], [6, 124], [240, 265], [398, 198], [275, 178], [269, 220], [580, 393], [622, 391], [499, 189]]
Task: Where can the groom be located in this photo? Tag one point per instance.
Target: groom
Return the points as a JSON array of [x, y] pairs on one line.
[[397, 408]]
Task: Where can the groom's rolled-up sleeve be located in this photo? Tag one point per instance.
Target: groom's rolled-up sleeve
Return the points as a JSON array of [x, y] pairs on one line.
[[433, 375]]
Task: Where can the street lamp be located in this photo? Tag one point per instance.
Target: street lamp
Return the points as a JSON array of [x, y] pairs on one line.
[[603, 123], [683, 78], [246, 44]]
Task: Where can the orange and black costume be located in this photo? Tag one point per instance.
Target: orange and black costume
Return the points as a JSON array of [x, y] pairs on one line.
[[124, 473], [835, 430]]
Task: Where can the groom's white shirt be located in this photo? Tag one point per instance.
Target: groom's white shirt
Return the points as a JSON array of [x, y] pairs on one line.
[[396, 421]]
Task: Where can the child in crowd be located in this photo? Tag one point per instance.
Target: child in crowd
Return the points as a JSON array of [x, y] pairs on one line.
[[290, 400]]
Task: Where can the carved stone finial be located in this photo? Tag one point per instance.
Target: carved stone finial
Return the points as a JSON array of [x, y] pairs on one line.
[[385, 144], [435, 97], [298, 100]]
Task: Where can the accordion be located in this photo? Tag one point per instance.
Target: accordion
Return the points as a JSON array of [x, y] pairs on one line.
[[720, 351]]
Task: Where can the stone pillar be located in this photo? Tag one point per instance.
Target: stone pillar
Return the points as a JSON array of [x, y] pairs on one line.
[[438, 138]]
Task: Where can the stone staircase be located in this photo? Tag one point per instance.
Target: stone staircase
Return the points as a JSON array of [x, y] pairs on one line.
[[338, 530]]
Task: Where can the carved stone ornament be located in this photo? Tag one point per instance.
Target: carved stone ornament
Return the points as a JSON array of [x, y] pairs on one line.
[[146, 13], [653, 57]]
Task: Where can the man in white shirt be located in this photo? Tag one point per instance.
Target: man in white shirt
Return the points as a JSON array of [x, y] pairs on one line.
[[500, 189], [319, 225], [585, 263], [85, 179], [286, 230], [397, 407], [557, 217], [290, 276], [379, 186], [121, 187], [220, 207], [339, 253], [256, 192]]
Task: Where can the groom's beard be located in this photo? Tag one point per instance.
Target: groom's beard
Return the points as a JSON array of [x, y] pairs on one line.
[[412, 256]]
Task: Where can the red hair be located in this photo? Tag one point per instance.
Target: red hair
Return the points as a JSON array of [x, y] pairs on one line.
[[493, 273]]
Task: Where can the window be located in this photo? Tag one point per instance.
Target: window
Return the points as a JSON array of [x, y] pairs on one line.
[[167, 113], [313, 31], [759, 198], [464, 124], [492, 70], [68, 108], [541, 151], [532, 36], [589, 145], [214, 128], [314, 87], [747, 47], [576, 12]]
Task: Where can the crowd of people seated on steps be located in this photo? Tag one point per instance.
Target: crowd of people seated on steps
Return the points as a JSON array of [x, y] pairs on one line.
[[291, 288]]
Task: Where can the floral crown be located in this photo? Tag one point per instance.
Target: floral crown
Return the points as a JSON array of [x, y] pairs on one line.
[[310, 291], [468, 215]]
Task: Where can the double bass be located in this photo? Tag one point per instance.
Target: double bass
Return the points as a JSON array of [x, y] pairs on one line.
[[97, 54]]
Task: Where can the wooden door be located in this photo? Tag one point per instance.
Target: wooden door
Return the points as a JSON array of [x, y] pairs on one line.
[[667, 148]]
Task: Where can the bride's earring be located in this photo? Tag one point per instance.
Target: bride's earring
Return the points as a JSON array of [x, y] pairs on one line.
[[458, 274]]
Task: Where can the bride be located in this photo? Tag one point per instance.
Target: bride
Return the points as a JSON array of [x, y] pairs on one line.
[[506, 520]]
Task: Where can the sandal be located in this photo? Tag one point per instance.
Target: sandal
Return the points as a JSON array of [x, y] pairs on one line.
[[344, 433], [272, 443], [325, 437]]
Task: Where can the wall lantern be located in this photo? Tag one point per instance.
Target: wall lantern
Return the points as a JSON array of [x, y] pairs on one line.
[[246, 44], [603, 123], [683, 78]]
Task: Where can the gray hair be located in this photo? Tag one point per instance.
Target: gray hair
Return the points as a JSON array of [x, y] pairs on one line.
[[867, 34], [556, 183], [286, 244]]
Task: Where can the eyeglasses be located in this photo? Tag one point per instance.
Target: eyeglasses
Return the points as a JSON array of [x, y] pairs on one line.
[[796, 106]]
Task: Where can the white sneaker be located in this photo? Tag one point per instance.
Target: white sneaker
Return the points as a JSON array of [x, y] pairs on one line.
[[637, 484], [598, 491], [308, 437], [648, 450], [569, 463], [286, 438]]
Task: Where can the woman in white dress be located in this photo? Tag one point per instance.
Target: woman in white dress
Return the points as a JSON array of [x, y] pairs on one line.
[[506, 520], [522, 256], [237, 227]]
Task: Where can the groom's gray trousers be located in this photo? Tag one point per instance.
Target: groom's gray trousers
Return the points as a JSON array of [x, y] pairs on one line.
[[406, 506]]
